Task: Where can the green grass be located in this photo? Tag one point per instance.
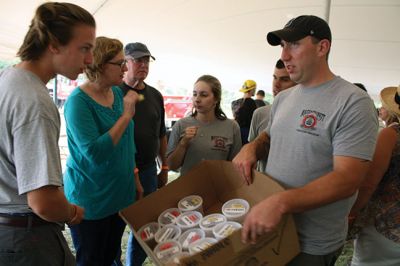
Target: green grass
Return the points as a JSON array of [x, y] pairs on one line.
[[345, 257]]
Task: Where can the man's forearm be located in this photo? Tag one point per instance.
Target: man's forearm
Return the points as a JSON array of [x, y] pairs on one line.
[[262, 143], [163, 151], [336, 185], [50, 204]]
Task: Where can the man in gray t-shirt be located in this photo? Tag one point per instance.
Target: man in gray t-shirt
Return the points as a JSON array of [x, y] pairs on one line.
[[32, 203], [320, 138], [259, 122]]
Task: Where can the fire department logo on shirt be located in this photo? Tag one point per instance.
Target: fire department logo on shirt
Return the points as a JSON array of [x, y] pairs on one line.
[[219, 143], [310, 120]]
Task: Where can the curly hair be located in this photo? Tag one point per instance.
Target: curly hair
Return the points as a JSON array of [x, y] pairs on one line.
[[105, 49]]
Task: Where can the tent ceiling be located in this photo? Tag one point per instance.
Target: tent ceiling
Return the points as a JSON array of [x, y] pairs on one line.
[[226, 38]]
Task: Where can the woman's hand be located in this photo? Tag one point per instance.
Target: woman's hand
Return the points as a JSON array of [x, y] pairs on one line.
[[189, 134], [130, 100]]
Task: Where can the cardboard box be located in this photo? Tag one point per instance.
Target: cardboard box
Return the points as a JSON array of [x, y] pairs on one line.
[[217, 182]]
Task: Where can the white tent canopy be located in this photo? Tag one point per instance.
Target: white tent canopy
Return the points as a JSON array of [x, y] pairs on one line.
[[226, 38]]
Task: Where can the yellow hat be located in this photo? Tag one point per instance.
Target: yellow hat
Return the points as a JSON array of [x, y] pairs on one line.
[[248, 85], [390, 98]]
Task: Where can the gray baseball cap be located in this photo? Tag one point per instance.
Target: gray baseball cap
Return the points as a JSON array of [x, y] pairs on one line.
[[137, 50]]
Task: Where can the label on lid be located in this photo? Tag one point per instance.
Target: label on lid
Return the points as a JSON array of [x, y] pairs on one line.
[[192, 236], [168, 252], [191, 203], [146, 233], [167, 234], [190, 219], [171, 216], [212, 221], [226, 230], [166, 246], [235, 209]]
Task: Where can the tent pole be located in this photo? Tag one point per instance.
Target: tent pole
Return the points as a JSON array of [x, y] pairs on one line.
[[55, 92], [327, 10]]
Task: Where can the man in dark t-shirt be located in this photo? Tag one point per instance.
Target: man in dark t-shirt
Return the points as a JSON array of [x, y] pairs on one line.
[[244, 107], [150, 132], [260, 95]]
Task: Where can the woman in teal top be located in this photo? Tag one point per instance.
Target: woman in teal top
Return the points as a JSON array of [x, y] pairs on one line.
[[100, 168]]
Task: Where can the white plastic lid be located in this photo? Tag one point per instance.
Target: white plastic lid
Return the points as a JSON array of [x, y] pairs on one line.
[[211, 220], [168, 216], [191, 203], [201, 245], [225, 229], [167, 233], [235, 209], [189, 219], [190, 236], [147, 231], [166, 250]]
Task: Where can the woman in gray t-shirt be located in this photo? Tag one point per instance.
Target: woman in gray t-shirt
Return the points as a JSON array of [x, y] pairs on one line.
[[205, 135]]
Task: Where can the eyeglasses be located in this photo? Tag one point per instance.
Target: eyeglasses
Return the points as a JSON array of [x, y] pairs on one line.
[[142, 61], [121, 63]]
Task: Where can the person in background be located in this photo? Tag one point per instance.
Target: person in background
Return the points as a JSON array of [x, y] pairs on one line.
[[243, 108], [259, 122], [320, 137], [384, 117], [150, 133], [33, 207], [205, 135], [260, 95], [100, 167], [375, 216]]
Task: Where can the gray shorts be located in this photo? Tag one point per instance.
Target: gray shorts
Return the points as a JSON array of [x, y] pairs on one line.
[[39, 245]]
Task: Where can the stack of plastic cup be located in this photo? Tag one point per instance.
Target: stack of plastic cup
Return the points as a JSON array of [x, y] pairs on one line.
[[191, 203], [188, 220], [201, 245], [236, 210], [147, 233], [168, 216], [210, 221], [167, 233], [223, 230], [190, 236], [165, 251]]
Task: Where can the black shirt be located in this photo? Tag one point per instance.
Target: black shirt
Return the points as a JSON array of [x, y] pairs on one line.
[[245, 113], [149, 124], [259, 103]]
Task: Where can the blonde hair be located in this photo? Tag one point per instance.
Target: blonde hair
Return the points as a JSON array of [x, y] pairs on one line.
[[392, 117], [105, 49], [53, 23]]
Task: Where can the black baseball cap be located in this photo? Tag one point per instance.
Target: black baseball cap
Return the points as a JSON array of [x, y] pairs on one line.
[[137, 50], [299, 28]]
